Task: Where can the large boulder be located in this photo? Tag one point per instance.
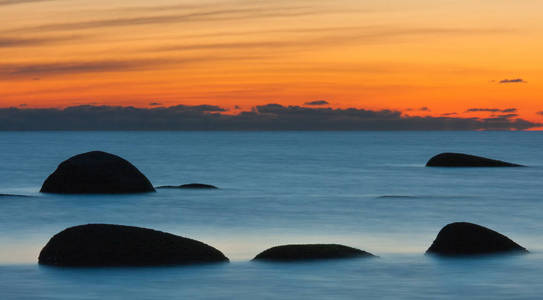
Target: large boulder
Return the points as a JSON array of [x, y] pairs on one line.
[[465, 160], [469, 239], [96, 173], [310, 252], [190, 186], [116, 245]]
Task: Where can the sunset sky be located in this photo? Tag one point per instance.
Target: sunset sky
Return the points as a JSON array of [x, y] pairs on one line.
[[423, 57]]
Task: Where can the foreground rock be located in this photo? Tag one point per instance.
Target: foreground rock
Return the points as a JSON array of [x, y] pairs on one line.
[[96, 173], [191, 186], [466, 160], [470, 239], [116, 245], [310, 252]]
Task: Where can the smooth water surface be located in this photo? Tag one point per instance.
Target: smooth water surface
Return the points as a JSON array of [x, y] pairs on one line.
[[364, 189]]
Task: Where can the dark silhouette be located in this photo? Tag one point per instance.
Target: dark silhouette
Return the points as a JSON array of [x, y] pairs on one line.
[[261, 117], [116, 245], [465, 160], [468, 239], [317, 103], [96, 173], [192, 186], [514, 80], [493, 110], [310, 252], [13, 196]]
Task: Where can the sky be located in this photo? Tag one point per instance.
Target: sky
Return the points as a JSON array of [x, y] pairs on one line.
[[436, 58]]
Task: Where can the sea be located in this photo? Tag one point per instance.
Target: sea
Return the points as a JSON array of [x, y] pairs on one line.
[[369, 190]]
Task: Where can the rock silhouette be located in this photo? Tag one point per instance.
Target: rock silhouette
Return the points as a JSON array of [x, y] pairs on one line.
[[96, 173], [310, 252], [117, 245], [469, 239], [191, 186], [13, 196], [466, 160]]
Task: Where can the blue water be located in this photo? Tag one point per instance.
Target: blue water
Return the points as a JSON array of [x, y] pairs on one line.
[[368, 190]]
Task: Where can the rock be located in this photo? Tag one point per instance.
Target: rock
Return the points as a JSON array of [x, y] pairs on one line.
[[96, 173], [13, 196], [117, 245], [465, 160], [193, 186], [469, 239], [310, 252]]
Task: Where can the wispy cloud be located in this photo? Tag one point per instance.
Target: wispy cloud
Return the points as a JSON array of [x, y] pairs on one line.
[[317, 103], [516, 80], [17, 70], [506, 110], [264, 117], [424, 108], [33, 70], [16, 42], [296, 40], [15, 2], [203, 15]]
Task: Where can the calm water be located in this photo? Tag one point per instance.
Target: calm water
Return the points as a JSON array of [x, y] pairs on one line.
[[364, 189]]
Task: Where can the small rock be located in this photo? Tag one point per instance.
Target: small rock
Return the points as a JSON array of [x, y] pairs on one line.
[[465, 160], [468, 239], [310, 252], [195, 186]]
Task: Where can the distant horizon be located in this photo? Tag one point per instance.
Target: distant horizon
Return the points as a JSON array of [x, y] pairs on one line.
[[311, 116]]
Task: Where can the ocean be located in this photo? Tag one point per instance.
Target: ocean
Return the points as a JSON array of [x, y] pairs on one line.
[[368, 190]]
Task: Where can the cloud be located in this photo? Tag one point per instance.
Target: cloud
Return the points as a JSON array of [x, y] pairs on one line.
[[11, 42], [61, 68], [507, 110], [155, 104], [204, 14], [317, 103], [33, 70], [15, 2], [506, 116], [516, 80], [424, 108], [264, 117]]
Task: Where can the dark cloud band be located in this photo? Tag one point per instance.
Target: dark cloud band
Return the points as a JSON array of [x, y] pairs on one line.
[[493, 110], [265, 117]]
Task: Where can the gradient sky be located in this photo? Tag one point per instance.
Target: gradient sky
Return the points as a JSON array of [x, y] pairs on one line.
[[424, 57]]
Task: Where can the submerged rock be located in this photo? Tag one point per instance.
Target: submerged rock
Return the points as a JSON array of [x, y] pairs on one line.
[[96, 173], [117, 245], [195, 186], [13, 196], [468, 239], [466, 160], [310, 252]]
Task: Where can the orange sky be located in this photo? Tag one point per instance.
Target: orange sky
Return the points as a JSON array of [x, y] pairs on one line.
[[448, 56]]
